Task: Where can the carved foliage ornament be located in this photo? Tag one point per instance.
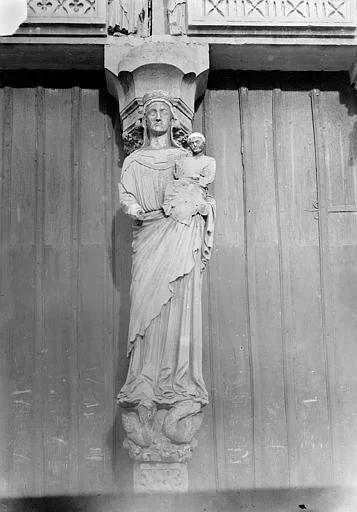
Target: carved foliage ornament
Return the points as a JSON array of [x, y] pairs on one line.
[[133, 139]]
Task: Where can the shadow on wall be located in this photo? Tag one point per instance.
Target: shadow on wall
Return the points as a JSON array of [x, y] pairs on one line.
[[348, 97], [119, 256], [270, 500], [121, 265]]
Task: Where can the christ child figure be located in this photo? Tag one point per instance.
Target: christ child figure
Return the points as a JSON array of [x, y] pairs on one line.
[[187, 194]]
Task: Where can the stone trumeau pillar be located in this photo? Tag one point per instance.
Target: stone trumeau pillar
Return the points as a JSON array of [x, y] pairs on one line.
[[136, 67]]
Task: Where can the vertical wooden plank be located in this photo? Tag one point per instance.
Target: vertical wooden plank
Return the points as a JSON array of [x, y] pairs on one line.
[[39, 345], [202, 466], [95, 384], [229, 345], [300, 268], [58, 334], [111, 153], [5, 304], [285, 289], [263, 281], [22, 270], [337, 129], [325, 277], [75, 269]]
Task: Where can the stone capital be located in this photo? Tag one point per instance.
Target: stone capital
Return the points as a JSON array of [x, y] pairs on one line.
[[134, 68]]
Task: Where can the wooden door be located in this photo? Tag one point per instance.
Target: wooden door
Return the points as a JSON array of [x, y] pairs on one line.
[[59, 299], [280, 294], [282, 286]]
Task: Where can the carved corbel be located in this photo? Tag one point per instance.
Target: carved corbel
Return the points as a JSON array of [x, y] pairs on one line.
[[134, 69]]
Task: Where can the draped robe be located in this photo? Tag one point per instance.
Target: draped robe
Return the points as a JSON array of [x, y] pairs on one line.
[[165, 330]]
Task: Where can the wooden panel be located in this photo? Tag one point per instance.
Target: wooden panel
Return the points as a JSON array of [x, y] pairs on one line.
[[263, 281], [22, 418], [341, 150], [307, 406], [230, 348], [56, 265], [337, 128], [95, 340], [59, 315], [5, 303], [279, 294]]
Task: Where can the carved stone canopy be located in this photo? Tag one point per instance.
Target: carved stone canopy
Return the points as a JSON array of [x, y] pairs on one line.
[[132, 70]]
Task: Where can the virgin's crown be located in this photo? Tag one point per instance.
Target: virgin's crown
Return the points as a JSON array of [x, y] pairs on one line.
[[156, 95]]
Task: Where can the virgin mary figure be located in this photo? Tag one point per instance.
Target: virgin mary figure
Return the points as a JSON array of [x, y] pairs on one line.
[[165, 330]]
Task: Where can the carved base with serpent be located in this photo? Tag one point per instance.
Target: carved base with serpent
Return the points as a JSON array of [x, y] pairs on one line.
[[162, 435]]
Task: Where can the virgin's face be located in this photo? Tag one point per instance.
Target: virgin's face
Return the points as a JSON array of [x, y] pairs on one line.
[[158, 118]]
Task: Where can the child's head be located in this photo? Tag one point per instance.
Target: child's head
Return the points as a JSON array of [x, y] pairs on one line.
[[196, 142]]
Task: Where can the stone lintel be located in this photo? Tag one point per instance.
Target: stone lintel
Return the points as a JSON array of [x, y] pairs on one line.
[[136, 67], [240, 53], [280, 56]]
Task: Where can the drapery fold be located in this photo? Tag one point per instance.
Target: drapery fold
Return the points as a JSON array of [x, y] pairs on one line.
[[165, 330]]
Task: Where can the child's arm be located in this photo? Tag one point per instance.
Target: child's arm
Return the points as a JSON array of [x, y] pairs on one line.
[[178, 171], [208, 173]]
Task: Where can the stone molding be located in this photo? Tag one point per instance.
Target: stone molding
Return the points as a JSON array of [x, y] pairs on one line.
[[286, 35], [319, 18], [66, 11]]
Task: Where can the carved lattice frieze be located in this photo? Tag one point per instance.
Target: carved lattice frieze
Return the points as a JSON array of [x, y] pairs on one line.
[[64, 9], [261, 13], [299, 9]]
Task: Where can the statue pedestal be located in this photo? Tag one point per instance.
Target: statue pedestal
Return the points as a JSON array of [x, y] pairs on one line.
[[161, 442], [160, 477]]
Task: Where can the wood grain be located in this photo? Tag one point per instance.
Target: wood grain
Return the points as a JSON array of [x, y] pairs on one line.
[[230, 352], [22, 271], [336, 128], [262, 267]]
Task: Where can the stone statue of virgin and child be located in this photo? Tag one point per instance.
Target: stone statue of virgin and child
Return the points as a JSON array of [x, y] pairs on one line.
[[163, 187]]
